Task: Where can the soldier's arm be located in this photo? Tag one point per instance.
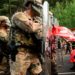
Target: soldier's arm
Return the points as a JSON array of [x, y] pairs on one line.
[[26, 22], [21, 20]]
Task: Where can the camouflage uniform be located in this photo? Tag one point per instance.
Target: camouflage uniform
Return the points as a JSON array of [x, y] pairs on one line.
[[24, 59], [26, 44]]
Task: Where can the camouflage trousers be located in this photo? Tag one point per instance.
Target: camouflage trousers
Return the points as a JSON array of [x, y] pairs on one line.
[[23, 62]]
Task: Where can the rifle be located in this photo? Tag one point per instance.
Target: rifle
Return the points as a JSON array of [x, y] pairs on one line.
[[45, 22]]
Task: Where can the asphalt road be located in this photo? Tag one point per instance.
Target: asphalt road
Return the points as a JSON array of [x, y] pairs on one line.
[[63, 64]]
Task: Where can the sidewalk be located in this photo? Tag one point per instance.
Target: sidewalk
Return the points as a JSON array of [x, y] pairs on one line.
[[63, 64]]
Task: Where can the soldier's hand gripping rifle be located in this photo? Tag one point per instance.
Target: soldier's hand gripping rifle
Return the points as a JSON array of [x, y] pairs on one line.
[[43, 19], [43, 10]]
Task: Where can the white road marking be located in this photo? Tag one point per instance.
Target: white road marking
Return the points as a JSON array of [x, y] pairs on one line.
[[66, 73]]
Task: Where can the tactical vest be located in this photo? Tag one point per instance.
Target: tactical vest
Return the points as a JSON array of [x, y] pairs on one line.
[[20, 38]]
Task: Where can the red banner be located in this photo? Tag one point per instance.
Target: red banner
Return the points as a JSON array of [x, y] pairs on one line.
[[62, 31], [72, 38]]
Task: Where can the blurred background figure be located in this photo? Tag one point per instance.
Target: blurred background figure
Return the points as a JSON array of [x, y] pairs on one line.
[[68, 47], [72, 58], [59, 44], [64, 45]]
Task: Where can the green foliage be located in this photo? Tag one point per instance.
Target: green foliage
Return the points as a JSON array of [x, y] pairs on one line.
[[8, 7], [54, 2], [64, 10], [65, 14]]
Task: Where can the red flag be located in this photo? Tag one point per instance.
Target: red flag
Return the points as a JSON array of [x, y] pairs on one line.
[[62, 31], [72, 38]]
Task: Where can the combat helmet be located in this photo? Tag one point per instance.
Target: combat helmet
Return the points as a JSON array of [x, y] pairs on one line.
[[34, 1], [6, 19]]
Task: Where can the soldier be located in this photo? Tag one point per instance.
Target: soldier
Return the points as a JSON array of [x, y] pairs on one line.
[[4, 38], [26, 42]]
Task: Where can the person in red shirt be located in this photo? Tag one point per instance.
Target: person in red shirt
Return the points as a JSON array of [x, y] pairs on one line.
[[72, 58]]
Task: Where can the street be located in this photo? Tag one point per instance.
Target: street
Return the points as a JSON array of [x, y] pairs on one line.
[[63, 63]]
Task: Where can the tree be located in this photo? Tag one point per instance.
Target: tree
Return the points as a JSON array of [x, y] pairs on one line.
[[8, 7], [65, 15], [53, 2]]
